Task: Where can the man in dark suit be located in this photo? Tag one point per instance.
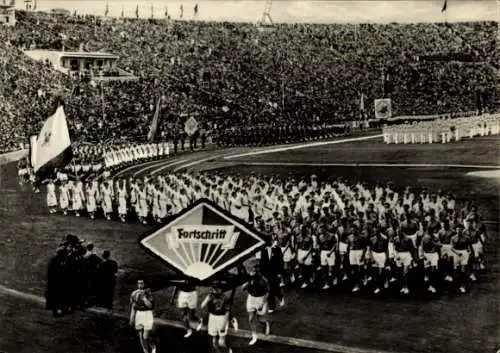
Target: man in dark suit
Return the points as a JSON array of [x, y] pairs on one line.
[[271, 266], [107, 271]]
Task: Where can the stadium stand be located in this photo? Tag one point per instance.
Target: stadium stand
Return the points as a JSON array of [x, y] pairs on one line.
[[234, 76]]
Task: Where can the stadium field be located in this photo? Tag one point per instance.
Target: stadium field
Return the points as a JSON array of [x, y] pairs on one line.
[[31, 330], [447, 323]]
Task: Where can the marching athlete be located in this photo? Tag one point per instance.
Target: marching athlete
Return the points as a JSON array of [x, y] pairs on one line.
[[378, 248], [430, 247], [343, 232], [122, 200], [78, 197], [476, 233], [286, 243], [142, 207], [258, 291], [141, 315], [461, 248], [304, 244], [357, 246], [328, 246], [445, 235], [404, 255], [51, 196], [219, 308], [92, 196], [106, 202], [64, 197], [187, 301]]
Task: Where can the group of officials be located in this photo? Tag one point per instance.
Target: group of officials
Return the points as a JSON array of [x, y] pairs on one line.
[[78, 278]]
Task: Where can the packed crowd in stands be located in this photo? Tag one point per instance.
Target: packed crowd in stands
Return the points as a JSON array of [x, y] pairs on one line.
[[330, 233], [443, 131], [232, 76]]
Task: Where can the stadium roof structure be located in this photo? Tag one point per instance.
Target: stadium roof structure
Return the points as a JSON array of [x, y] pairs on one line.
[[7, 4], [326, 12], [37, 54]]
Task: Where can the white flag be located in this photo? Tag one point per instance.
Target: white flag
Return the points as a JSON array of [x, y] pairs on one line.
[[53, 145]]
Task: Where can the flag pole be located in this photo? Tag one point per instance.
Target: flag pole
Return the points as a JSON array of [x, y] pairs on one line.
[[102, 100], [283, 94], [445, 10], [74, 167]]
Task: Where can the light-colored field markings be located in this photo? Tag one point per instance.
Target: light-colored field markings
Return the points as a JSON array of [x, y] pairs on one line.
[[397, 165], [8, 157], [157, 164], [290, 341], [493, 174], [123, 171], [302, 146], [166, 165], [220, 154]]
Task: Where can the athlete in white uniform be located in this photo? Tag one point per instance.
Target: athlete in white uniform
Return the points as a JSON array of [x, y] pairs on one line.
[[64, 197], [78, 197], [122, 201], [107, 200], [51, 197]]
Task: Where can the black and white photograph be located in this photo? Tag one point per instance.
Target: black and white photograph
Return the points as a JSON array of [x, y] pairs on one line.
[[249, 176]]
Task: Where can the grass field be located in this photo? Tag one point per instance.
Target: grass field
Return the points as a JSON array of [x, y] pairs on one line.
[[449, 323], [483, 151], [32, 330]]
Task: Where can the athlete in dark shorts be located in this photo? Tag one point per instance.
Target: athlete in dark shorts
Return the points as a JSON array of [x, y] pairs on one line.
[[327, 243], [446, 259], [218, 308], [379, 247], [187, 301], [356, 246], [430, 248], [141, 315], [258, 291], [404, 256], [461, 247], [343, 232], [286, 244], [477, 238], [304, 255]]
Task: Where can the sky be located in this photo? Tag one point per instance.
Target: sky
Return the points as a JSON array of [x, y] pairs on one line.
[[292, 11]]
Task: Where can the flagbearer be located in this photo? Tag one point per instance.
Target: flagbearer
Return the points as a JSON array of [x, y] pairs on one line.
[[52, 148]]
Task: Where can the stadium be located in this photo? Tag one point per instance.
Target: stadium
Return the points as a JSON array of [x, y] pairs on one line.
[[186, 144]]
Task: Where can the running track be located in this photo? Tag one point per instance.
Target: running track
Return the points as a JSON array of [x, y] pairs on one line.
[[202, 160]]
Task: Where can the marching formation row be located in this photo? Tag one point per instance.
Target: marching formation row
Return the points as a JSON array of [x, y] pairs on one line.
[[91, 159], [443, 131], [134, 153], [327, 233]]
